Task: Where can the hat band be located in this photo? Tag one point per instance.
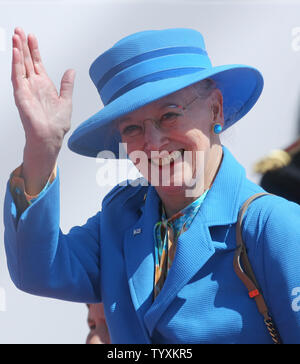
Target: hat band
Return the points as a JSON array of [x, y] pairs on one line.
[[112, 71], [152, 70], [152, 78]]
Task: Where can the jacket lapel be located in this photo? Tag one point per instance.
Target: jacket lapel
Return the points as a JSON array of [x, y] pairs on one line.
[[194, 248], [139, 256]]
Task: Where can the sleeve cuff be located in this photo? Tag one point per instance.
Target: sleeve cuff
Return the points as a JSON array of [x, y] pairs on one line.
[[17, 187]]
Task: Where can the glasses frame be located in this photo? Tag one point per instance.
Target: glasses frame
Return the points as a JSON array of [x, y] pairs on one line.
[[156, 121]]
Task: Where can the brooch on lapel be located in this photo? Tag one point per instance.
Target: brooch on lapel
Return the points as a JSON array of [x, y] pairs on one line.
[[137, 231]]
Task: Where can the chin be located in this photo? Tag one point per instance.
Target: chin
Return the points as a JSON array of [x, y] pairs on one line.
[[171, 190]]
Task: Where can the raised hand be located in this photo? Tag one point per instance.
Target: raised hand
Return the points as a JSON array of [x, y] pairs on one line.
[[45, 114]]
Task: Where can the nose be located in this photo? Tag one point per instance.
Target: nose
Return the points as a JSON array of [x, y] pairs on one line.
[[154, 138]]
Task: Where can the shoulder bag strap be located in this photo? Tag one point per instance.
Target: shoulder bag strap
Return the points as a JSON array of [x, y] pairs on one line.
[[247, 275]]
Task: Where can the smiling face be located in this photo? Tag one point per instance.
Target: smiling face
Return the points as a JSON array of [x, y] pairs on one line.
[[163, 138]]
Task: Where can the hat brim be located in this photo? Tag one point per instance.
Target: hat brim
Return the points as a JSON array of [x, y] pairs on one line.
[[240, 85]]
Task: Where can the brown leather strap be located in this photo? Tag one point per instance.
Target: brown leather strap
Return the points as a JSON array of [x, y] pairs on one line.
[[246, 274]]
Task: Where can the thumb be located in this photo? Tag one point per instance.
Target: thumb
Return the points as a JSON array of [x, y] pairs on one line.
[[67, 84]]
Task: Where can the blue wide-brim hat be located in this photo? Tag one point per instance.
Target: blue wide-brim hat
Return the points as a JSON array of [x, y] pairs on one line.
[[149, 65]]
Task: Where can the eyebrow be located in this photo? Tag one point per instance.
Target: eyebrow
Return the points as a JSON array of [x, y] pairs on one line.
[[167, 104]]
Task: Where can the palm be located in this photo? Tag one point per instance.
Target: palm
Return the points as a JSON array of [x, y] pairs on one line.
[[39, 102]]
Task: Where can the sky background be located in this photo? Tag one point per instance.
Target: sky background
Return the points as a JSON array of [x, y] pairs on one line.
[[71, 34]]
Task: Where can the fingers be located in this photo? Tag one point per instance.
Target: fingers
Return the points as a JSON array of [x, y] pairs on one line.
[[29, 56], [19, 58], [25, 52], [18, 68], [35, 54], [67, 85]]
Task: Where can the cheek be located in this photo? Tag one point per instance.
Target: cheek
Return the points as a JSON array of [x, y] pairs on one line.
[[139, 159], [196, 140], [132, 149], [197, 145], [199, 130]]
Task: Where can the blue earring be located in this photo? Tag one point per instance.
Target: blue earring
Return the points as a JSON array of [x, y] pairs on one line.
[[217, 128]]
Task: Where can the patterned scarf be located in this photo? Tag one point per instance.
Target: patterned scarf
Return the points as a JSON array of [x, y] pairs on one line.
[[166, 234]]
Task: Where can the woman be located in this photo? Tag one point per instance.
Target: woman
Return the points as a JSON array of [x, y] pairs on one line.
[[159, 254]]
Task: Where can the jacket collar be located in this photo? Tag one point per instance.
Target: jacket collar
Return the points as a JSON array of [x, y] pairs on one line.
[[222, 203]]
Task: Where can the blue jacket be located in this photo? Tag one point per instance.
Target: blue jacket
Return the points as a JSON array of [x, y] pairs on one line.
[[111, 259]]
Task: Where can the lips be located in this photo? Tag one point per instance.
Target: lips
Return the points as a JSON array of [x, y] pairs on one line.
[[162, 160]]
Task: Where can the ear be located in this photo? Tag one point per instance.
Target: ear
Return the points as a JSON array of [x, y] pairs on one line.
[[217, 106]]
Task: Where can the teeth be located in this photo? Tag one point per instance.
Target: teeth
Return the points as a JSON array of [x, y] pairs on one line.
[[162, 161]]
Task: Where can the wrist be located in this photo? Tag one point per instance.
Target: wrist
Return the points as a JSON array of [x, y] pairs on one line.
[[44, 148], [39, 167]]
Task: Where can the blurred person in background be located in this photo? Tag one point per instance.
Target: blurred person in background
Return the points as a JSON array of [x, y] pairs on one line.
[[280, 171], [99, 333]]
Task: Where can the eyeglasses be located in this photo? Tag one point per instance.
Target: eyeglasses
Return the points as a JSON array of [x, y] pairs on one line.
[[166, 122]]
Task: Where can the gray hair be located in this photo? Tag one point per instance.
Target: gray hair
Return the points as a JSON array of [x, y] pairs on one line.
[[205, 87]]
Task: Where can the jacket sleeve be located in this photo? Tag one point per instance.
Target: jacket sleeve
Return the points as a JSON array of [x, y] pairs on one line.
[[17, 189], [276, 261], [282, 268], [41, 259]]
